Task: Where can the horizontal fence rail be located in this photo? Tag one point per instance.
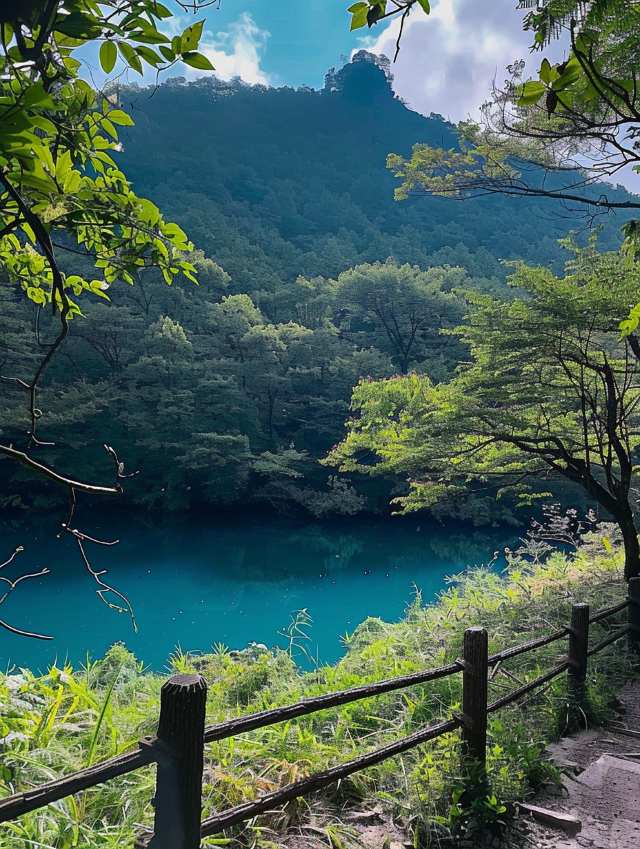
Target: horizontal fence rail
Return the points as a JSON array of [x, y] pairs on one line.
[[178, 747], [514, 695], [610, 611], [611, 639], [52, 791], [303, 708], [248, 810], [514, 651]]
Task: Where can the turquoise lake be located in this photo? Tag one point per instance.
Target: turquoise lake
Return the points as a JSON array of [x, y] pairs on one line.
[[198, 582]]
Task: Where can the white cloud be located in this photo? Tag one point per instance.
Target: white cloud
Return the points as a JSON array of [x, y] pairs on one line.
[[236, 52], [448, 61]]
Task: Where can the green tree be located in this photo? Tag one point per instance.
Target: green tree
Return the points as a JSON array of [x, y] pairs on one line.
[[551, 390], [400, 310], [577, 119], [58, 176]]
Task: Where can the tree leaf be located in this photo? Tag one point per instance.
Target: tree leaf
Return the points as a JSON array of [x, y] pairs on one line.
[[108, 56], [36, 95], [191, 37], [109, 128], [197, 60], [530, 92], [130, 56], [161, 11], [375, 12], [120, 117], [571, 71], [150, 56], [551, 102], [545, 71], [359, 15], [78, 25], [167, 52]]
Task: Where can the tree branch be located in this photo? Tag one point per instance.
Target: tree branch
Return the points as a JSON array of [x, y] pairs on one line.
[[24, 460]]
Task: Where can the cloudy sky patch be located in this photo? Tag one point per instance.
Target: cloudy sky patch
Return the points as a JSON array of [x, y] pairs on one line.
[[449, 60], [236, 51]]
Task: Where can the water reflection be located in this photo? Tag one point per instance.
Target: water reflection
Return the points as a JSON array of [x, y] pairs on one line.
[[203, 580]]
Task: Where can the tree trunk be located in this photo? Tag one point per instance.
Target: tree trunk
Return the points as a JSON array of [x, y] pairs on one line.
[[631, 546], [617, 504]]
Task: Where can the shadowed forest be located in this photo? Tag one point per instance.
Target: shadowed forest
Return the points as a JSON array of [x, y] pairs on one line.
[[310, 276]]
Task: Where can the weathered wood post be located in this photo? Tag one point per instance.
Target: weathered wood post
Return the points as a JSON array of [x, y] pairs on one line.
[[634, 613], [180, 745], [579, 642], [474, 696], [578, 648]]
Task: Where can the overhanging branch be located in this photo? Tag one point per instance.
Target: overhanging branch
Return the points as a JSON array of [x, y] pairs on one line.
[[24, 460]]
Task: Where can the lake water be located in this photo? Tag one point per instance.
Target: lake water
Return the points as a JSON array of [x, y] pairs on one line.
[[202, 581]]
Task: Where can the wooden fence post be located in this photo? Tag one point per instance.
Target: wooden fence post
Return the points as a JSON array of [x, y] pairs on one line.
[[474, 695], [579, 642], [180, 744], [634, 613]]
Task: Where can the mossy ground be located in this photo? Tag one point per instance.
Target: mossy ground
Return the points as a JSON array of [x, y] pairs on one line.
[[62, 721]]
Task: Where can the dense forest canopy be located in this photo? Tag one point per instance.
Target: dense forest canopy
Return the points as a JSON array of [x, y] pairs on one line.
[[310, 277], [273, 183]]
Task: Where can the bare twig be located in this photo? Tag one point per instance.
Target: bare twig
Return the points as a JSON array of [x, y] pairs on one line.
[[25, 460], [120, 475], [105, 588], [12, 585]]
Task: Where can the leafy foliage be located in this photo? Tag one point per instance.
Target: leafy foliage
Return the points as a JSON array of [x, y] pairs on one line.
[[58, 138], [550, 389], [580, 115]]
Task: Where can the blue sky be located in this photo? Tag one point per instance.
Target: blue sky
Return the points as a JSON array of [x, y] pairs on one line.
[[447, 64], [291, 42], [306, 37]]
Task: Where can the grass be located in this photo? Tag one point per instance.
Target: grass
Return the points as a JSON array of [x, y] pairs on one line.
[[56, 723]]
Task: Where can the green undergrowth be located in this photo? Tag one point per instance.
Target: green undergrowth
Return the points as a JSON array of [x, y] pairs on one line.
[[57, 723]]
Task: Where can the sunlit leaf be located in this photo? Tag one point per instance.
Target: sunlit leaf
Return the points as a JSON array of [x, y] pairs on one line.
[[108, 56], [530, 92], [191, 37], [197, 60]]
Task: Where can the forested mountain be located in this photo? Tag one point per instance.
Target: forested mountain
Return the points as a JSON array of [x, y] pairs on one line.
[[310, 277], [276, 183]]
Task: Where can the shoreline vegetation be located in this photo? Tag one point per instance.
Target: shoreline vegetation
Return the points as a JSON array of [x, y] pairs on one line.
[[67, 719]]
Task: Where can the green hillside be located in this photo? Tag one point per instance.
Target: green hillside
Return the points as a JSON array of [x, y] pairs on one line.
[[230, 391]]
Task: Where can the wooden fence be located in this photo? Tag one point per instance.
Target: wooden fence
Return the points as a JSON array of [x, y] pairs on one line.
[[178, 746]]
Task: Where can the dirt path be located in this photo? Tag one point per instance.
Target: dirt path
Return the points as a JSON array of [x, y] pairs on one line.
[[601, 788]]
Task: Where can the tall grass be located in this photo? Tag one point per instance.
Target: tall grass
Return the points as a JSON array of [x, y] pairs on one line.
[[56, 723]]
